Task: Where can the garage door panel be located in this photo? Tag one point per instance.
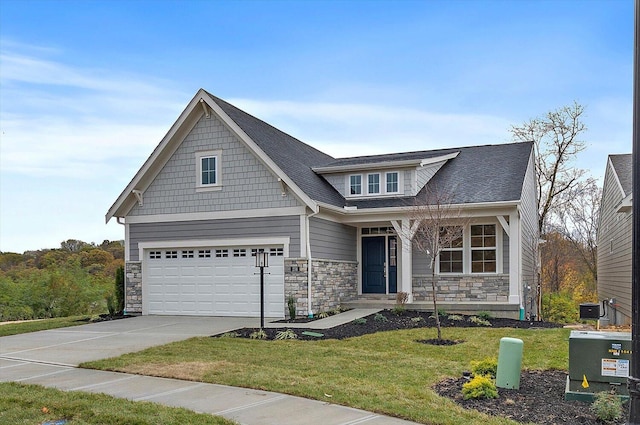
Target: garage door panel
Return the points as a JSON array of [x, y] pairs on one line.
[[224, 283]]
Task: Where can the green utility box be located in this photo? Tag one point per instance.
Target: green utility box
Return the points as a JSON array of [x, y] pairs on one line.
[[597, 361], [509, 363]]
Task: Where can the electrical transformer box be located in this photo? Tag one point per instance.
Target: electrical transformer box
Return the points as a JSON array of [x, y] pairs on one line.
[[603, 357]]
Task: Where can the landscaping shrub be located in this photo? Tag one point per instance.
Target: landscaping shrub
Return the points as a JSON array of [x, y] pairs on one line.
[[607, 407], [485, 367], [559, 308], [291, 306], [479, 387]]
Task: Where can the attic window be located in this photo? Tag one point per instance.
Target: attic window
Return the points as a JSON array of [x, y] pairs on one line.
[[208, 170], [355, 184]]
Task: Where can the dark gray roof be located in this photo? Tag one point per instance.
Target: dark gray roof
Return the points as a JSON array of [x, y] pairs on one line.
[[623, 167], [489, 173]]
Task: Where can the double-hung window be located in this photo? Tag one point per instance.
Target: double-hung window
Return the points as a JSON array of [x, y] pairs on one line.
[[392, 182], [451, 253], [355, 184], [208, 170], [373, 186], [483, 248]]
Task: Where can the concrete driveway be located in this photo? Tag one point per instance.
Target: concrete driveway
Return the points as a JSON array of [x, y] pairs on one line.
[[49, 358]]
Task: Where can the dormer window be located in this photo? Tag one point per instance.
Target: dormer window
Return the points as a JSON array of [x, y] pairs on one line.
[[355, 185], [373, 187], [392, 182]]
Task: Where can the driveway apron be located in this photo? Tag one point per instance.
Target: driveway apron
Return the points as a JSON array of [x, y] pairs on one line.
[[50, 358]]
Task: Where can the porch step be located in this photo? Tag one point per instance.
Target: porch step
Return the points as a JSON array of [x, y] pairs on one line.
[[498, 310]]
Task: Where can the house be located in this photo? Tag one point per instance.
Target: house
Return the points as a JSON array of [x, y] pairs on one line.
[[222, 186], [614, 240]]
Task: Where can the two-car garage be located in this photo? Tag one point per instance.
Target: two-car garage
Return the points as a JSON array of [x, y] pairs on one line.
[[211, 280]]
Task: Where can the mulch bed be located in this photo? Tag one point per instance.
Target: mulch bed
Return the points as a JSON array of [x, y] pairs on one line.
[[540, 398]]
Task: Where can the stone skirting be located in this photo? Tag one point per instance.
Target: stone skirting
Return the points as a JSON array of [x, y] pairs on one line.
[[467, 288], [333, 282], [133, 287]]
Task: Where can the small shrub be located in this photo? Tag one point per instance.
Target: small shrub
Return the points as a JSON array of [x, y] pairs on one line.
[[288, 334], [485, 315], [261, 334], [402, 298], [559, 308], [230, 335], [442, 312], [323, 315], [111, 305], [380, 318], [398, 310], [607, 407], [291, 306], [455, 318], [485, 367], [360, 321], [479, 321], [417, 319], [479, 387]]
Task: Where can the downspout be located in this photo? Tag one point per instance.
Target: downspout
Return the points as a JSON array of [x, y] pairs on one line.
[[308, 234]]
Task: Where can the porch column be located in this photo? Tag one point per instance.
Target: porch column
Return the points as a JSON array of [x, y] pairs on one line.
[[405, 284]]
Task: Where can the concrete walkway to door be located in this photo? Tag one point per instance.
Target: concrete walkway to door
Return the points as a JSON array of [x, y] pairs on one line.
[[50, 358]]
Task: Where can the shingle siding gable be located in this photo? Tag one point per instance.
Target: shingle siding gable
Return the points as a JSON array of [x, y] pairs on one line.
[[246, 182]]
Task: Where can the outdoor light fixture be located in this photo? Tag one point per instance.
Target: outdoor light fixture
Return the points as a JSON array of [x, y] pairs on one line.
[[262, 259]]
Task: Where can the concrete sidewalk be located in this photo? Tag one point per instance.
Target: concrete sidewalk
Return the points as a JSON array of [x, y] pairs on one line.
[[49, 358]]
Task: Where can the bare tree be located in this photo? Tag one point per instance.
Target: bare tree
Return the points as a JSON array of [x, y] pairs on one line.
[[556, 137], [436, 225]]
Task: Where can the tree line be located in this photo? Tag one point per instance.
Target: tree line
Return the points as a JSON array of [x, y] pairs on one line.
[[77, 278]]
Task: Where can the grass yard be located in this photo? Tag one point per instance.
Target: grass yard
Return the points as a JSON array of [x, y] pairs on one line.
[[386, 372], [32, 404], [14, 328]]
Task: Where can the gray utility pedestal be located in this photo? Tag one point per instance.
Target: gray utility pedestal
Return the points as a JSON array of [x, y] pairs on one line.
[[598, 361]]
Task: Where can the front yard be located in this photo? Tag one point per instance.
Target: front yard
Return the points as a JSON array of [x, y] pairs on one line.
[[386, 372]]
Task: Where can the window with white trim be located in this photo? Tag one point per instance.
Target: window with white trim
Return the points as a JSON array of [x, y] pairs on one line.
[[208, 170], [373, 184], [276, 252], [187, 254], [204, 253], [452, 255], [392, 182], [483, 248], [355, 184], [155, 255], [240, 252], [171, 254], [222, 253]]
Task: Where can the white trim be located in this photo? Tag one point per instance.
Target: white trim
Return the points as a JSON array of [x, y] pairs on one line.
[[436, 159], [303, 235], [504, 224], [216, 215], [364, 184], [198, 243], [383, 164], [615, 175], [127, 249]]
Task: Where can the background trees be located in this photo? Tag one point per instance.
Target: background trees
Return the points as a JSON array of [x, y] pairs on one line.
[[75, 279]]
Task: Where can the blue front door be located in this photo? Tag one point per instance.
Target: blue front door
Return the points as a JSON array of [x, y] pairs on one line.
[[373, 265]]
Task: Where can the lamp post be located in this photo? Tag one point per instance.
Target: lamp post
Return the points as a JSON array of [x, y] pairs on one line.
[[262, 261], [634, 376]]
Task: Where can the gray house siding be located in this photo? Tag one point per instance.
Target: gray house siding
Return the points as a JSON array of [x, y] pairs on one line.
[[424, 174], [614, 249], [529, 239], [332, 241], [217, 229], [338, 182], [246, 182]]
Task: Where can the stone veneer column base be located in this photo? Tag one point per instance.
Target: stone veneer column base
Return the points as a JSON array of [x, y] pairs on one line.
[[133, 287]]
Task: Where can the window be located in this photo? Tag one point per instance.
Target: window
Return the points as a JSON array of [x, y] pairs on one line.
[[155, 255], [171, 254], [204, 253], [276, 252], [208, 170], [483, 248], [451, 254], [240, 252], [222, 253], [254, 251], [355, 185], [187, 254], [373, 183], [392, 182]]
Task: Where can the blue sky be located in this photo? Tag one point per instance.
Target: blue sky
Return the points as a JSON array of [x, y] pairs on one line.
[[88, 88]]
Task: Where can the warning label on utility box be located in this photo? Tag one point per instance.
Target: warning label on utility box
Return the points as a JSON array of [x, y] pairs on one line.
[[615, 367]]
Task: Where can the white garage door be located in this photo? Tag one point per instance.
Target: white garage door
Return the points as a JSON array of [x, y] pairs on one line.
[[212, 281]]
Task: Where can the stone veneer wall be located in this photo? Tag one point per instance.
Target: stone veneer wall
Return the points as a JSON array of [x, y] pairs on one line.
[[133, 287], [467, 288], [333, 282]]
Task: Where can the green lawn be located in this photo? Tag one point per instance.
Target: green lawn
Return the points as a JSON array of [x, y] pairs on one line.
[[42, 325], [387, 372], [32, 404]]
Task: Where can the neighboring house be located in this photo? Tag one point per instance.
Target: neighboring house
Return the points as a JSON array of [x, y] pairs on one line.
[[223, 185], [614, 240]]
